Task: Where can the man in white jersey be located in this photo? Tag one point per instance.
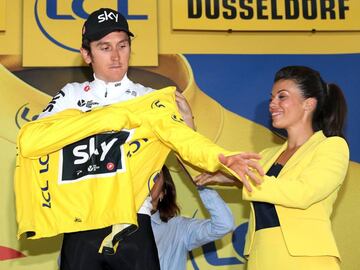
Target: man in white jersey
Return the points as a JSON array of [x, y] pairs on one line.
[[106, 47]]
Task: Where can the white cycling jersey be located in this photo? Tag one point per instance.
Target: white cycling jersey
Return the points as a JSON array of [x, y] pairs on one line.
[[88, 95]]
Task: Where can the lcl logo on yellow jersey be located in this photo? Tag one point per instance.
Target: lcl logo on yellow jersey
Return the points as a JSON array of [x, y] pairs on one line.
[[52, 21]]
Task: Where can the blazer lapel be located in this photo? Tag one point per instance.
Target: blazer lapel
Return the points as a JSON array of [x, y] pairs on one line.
[[272, 156], [316, 138]]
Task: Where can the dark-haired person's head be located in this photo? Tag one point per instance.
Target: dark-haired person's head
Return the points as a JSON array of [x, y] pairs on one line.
[[326, 100], [102, 22], [164, 196], [106, 44]]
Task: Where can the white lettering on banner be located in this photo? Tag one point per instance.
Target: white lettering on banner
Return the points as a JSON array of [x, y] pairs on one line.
[[108, 16]]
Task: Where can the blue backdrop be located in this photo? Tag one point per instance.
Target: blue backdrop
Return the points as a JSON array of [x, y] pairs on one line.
[[242, 83]]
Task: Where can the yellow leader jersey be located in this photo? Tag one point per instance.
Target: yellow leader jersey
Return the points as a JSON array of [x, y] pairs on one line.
[[79, 171]]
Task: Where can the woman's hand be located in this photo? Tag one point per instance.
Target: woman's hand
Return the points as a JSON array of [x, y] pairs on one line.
[[214, 178], [184, 109], [245, 165]]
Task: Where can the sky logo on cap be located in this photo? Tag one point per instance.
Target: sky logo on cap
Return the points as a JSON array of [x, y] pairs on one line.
[[108, 16], [48, 18]]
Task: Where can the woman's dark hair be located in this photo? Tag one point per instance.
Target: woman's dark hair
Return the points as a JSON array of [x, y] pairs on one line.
[[168, 207], [330, 112]]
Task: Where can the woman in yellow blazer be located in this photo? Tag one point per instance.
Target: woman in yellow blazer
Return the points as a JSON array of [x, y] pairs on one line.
[[289, 225]]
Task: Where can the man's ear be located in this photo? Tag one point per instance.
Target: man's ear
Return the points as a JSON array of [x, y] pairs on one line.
[[85, 55]]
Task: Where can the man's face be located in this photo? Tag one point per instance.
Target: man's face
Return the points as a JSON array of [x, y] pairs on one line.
[[109, 56]]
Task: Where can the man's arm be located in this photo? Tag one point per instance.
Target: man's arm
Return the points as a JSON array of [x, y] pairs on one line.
[[52, 133], [198, 150]]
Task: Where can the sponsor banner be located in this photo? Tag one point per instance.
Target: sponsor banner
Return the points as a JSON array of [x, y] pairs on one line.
[[266, 15], [52, 30], [2, 15]]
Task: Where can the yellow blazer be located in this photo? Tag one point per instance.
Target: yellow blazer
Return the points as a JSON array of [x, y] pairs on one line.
[[303, 194]]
